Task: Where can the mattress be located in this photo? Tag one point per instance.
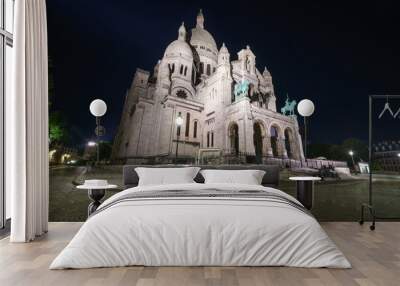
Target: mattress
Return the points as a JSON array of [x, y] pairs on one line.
[[201, 225]]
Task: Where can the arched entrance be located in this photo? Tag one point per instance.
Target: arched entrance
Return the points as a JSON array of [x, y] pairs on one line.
[[274, 140], [234, 138], [258, 141], [288, 142]]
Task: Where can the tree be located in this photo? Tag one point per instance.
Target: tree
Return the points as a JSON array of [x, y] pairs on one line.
[[320, 150], [58, 132], [341, 152], [57, 129], [105, 150], [359, 148]]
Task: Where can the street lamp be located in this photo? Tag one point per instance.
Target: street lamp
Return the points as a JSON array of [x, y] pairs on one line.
[[305, 108], [98, 108], [351, 153], [179, 122], [91, 144]]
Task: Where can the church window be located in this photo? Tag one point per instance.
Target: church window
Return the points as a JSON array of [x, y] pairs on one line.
[[187, 124], [181, 94], [195, 129], [185, 71], [171, 68], [214, 69], [212, 139], [201, 67], [178, 127], [208, 139], [181, 71], [208, 69]]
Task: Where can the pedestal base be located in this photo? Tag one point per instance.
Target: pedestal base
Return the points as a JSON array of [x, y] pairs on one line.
[[95, 196], [305, 193]]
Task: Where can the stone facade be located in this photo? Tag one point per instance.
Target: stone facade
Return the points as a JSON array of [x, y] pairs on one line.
[[196, 81]]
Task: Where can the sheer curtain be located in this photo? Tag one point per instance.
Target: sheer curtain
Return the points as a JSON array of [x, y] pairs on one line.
[[27, 124]]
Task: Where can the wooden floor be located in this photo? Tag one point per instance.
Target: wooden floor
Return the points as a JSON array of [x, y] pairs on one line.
[[375, 257]]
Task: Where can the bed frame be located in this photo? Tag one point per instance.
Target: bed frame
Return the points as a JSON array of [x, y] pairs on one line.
[[270, 179]]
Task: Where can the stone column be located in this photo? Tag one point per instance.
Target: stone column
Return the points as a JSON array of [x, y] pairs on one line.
[[242, 136], [247, 135], [282, 147], [267, 148], [294, 146], [299, 144]]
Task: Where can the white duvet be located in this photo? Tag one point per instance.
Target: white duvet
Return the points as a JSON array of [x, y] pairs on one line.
[[193, 231]]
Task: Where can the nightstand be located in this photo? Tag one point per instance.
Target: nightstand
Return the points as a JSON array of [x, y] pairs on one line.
[[305, 190]]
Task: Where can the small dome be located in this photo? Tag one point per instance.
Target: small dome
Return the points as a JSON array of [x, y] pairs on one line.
[[223, 49], [179, 47], [266, 72]]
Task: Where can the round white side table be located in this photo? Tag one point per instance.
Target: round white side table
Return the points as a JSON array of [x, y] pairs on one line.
[[95, 194]]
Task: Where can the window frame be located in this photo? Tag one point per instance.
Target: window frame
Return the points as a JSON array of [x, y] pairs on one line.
[[6, 39], [195, 124]]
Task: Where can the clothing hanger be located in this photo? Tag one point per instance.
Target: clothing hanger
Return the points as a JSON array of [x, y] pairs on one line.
[[386, 107]]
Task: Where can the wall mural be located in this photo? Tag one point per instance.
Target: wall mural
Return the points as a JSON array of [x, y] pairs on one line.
[[207, 104]]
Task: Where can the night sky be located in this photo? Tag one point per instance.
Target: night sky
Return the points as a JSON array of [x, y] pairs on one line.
[[333, 53]]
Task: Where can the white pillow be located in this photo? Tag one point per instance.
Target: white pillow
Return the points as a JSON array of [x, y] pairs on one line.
[[248, 177], [166, 176]]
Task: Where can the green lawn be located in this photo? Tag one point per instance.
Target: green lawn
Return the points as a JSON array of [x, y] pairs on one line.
[[337, 200]]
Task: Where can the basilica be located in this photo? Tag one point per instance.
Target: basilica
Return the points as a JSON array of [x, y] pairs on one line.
[[199, 99]]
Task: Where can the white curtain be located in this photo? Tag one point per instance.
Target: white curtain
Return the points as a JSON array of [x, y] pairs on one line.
[[27, 124]]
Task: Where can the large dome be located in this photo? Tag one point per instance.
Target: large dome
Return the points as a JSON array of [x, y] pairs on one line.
[[203, 42], [201, 37]]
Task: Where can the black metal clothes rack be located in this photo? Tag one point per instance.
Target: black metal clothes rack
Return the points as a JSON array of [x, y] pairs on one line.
[[370, 205]]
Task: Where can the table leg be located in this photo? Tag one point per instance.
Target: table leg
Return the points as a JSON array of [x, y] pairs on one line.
[[95, 196], [305, 193]]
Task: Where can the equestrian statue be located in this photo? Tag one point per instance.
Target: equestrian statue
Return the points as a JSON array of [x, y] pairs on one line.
[[241, 89], [289, 106]]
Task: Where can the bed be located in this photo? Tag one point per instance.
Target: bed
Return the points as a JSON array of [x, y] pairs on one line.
[[198, 224]]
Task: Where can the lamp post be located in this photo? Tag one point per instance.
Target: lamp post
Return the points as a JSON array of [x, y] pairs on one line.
[[98, 108], [351, 153], [179, 122], [305, 108]]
